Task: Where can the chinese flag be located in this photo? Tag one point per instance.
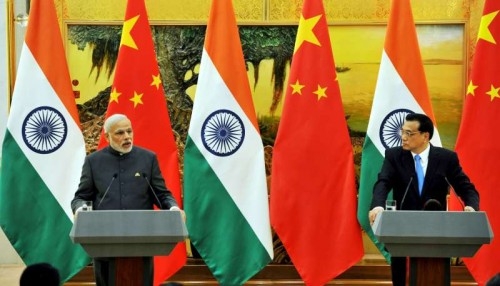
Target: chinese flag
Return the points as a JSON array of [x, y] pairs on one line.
[[313, 191], [138, 92], [477, 143]]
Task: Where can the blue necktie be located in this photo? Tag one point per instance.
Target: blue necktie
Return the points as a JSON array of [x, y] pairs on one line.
[[420, 173]]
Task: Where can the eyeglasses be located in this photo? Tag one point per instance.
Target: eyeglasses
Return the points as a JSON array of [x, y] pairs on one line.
[[408, 133]]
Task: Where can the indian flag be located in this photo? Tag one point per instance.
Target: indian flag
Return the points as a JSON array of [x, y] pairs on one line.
[[43, 151], [225, 191], [401, 89]]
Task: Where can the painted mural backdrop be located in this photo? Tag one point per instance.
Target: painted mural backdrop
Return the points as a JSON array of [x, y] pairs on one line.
[[92, 51]]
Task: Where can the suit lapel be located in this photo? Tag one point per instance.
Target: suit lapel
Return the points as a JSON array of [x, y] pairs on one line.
[[409, 167], [432, 165]]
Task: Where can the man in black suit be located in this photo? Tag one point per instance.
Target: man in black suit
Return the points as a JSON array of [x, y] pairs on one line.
[[441, 168], [122, 177]]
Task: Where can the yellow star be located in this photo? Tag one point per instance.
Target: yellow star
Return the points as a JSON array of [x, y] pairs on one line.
[[484, 27], [471, 88], [156, 81], [305, 32], [320, 92], [297, 87], [127, 39], [493, 92], [137, 99], [113, 96]]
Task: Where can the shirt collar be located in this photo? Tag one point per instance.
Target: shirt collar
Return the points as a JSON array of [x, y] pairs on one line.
[[424, 155], [116, 153]]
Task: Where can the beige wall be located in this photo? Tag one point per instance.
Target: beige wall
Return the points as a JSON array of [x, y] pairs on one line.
[[8, 256]]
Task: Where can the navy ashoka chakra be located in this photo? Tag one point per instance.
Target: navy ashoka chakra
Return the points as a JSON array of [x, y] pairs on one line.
[[223, 132], [44, 130], [390, 129]]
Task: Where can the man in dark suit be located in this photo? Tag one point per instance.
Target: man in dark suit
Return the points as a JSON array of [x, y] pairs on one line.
[[439, 167], [121, 177]]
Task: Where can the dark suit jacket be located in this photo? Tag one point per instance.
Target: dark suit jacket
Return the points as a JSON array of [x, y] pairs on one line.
[[398, 170], [129, 190]]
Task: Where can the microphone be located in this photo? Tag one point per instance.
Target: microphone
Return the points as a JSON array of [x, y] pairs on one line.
[[152, 190], [451, 187], [432, 205], [406, 192], [107, 189]]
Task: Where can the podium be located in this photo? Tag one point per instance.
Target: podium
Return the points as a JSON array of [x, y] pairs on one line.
[[128, 236], [430, 238]]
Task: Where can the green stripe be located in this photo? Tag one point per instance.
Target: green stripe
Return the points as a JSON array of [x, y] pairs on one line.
[[32, 219], [371, 162], [216, 226]]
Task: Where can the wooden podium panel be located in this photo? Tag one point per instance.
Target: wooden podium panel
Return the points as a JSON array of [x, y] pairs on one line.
[[425, 271]]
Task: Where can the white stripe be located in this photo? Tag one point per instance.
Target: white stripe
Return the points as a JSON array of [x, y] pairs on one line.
[[242, 173], [391, 93], [59, 170]]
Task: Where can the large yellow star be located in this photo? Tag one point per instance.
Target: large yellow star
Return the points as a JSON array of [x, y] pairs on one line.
[[297, 87], [471, 88], [305, 32], [484, 27], [493, 92], [137, 99], [113, 96], [156, 81], [320, 92], [127, 38]]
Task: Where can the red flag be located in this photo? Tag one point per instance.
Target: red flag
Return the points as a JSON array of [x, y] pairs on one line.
[[313, 191], [138, 92], [477, 143]]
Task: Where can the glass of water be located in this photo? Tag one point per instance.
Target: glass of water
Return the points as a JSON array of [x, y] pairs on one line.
[[390, 205], [87, 206]]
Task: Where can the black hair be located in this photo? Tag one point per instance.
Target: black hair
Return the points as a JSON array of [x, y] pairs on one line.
[[40, 274], [494, 281], [426, 124]]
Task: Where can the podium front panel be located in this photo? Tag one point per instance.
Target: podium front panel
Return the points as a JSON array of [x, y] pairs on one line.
[[128, 233], [432, 233]]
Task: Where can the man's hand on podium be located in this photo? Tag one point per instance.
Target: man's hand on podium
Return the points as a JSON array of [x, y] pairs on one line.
[[79, 209], [372, 215], [183, 214]]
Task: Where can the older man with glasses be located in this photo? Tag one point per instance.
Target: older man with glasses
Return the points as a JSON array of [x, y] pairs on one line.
[[122, 176], [419, 174]]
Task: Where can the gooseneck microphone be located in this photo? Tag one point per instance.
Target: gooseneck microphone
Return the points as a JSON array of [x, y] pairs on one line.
[[406, 192], [107, 189], [152, 190], [451, 187], [432, 205]]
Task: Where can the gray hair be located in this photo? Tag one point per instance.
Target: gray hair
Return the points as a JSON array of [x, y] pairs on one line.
[[112, 120]]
